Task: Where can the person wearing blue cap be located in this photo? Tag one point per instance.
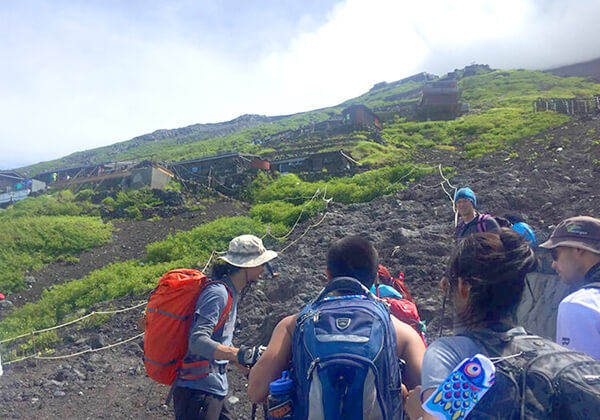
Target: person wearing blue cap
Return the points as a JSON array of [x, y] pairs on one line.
[[471, 221]]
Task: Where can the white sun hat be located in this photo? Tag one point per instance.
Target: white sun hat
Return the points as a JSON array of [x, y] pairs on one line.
[[247, 251]]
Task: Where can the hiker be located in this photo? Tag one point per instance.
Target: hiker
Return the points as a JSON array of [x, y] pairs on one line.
[[575, 245], [471, 221], [534, 377], [525, 231], [402, 306], [352, 264], [202, 397]]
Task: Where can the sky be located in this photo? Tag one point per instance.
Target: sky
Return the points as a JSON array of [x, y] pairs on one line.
[[76, 75]]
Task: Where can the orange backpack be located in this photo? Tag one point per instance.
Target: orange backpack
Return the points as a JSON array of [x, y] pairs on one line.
[[404, 309], [168, 318], [384, 277]]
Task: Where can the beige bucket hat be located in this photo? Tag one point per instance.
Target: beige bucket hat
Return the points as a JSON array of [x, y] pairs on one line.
[[247, 251]]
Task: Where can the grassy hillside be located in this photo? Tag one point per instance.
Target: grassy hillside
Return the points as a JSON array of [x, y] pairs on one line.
[[502, 113], [40, 230]]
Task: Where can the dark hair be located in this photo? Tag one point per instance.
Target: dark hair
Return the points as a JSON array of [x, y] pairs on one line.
[[353, 256], [222, 269], [495, 266]]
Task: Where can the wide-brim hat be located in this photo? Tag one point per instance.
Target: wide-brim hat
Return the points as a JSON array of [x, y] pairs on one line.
[[576, 232], [247, 251]]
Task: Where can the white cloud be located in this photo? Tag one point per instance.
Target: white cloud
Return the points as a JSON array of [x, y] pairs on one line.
[[78, 79], [360, 45]]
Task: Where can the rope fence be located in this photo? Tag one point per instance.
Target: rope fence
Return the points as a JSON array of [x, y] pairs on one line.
[[68, 356], [268, 233], [91, 314]]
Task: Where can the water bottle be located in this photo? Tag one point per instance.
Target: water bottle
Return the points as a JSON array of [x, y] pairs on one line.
[[281, 396]]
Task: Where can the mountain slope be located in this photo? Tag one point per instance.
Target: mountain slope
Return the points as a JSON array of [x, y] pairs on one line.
[[588, 69]]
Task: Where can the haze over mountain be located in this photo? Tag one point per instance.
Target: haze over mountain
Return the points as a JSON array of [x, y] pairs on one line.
[[588, 69], [85, 76]]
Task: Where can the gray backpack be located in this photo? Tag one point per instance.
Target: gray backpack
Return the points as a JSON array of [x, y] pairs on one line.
[[537, 379]]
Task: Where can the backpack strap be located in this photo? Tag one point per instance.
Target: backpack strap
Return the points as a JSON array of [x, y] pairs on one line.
[[225, 314], [491, 341], [481, 226], [343, 283]]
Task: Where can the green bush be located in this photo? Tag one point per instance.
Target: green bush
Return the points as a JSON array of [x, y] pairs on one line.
[[27, 243], [84, 195], [286, 213], [198, 243], [476, 134], [45, 205], [63, 302], [132, 202], [110, 202], [142, 198], [357, 189]]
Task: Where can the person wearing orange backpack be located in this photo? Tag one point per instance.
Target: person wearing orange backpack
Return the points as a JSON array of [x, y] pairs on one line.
[[200, 388], [396, 294]]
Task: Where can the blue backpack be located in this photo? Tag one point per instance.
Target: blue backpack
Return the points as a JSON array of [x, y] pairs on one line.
[[345, 364]]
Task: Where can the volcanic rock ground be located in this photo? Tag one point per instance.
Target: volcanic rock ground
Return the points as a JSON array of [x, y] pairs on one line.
[[544, 180]]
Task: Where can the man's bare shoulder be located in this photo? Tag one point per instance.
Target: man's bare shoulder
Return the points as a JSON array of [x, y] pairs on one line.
[[404, 332], [289, 323]]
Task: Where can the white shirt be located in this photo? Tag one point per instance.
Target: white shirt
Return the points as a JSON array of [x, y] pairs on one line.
[[578, 322]]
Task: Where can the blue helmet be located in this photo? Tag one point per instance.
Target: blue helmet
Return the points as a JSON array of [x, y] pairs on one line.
[[525, 231], [467, 193]]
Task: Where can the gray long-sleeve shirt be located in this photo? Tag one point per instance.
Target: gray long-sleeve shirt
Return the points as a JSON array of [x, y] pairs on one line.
[[203, 340]]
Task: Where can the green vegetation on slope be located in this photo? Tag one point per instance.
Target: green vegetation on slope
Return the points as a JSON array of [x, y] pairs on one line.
[[186, 249], [519, 88], [357, 189], [503, 114], [475, 134], [27, 243]]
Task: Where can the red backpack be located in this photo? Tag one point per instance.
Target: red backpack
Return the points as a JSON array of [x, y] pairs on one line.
[[168, 318], [404, 309]]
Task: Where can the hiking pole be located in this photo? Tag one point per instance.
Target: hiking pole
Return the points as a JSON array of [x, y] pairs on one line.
[[442, 316]]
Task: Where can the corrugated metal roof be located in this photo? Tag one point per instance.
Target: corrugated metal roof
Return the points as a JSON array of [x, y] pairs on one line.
[[213, 157]]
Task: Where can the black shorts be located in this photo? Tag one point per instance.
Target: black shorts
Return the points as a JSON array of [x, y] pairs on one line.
[[193, 404]]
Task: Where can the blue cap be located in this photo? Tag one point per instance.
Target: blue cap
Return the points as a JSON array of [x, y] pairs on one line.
[[467, 193], [283, 384], [525, 231]]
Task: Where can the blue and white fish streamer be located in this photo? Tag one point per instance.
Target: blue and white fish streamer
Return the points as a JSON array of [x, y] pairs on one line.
[[462, 390]]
